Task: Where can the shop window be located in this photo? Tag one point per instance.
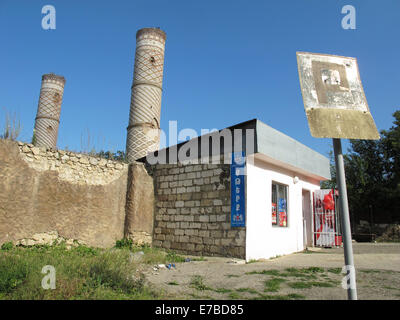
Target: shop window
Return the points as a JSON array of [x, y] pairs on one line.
[[279, 205]]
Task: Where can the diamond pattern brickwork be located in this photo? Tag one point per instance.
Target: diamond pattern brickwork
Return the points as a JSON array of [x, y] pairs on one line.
[[145, 108], [49, 109]]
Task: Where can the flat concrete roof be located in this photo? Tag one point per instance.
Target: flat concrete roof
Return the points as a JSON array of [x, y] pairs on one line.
[[282, 148], [274, 145]]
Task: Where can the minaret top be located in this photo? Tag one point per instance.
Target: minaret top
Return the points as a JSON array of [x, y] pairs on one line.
[[52, 76], [155, 31]]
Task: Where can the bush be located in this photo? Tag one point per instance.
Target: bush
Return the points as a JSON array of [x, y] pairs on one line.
[[391, 234], [124, 243], [7, 246], [119, 276], [13, 272]]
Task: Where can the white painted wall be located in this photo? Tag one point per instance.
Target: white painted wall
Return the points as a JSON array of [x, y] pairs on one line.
[[262, 239]]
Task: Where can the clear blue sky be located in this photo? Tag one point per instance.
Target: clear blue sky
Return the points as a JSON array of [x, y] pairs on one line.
[[225, 62]]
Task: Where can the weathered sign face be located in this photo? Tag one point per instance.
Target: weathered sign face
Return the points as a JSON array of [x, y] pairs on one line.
[[334, 98]]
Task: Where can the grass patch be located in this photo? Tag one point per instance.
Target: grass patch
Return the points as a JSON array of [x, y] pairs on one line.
[[252, 261], [234, 296], [300, 285], [272, 272], [222, 290], [305, 273], [7, 246], [174, 257], [335, 270], [197, 283], [273, 285], [81, 272], [156, 255], [313, 270], [199, 259], [173, 283], [308, 285], [322, 284], [232, 275], [13, 273]]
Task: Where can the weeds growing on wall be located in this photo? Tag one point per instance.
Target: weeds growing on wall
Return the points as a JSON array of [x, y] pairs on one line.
[[12, 126]]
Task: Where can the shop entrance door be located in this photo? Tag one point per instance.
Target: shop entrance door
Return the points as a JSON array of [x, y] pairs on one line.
[[307, 219], [327, 231]]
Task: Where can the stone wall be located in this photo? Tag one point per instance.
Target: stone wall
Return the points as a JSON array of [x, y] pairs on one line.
[[192, 210], [73, 167], [139, 205], [74, 195]]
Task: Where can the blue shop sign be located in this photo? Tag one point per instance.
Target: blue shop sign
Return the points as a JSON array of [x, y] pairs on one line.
[[238, 208]]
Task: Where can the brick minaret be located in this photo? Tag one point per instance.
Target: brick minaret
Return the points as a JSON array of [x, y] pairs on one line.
[[49, 108], [144, 116]]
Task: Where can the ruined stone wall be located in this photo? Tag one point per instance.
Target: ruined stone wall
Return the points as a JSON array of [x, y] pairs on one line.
[[139, 205], [70, 195], [192, 210]]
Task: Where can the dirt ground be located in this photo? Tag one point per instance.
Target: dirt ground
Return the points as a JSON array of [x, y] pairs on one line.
[[312, 275]]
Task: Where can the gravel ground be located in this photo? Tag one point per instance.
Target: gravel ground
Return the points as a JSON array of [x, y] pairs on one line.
[[314, 275]]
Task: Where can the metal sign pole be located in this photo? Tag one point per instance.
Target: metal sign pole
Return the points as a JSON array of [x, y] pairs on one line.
[[345, 218]]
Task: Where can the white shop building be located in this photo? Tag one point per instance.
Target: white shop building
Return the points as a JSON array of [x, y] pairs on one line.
[[281, 176]]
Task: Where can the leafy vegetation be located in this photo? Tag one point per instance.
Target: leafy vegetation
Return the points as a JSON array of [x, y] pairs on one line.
[[197, 283], [273, 285], [81, 272], [373, 176]]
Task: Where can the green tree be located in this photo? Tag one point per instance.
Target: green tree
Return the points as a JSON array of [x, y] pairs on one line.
[[373, 176]]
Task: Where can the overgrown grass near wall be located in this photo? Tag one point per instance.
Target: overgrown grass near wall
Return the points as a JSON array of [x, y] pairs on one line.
[[81, 272]]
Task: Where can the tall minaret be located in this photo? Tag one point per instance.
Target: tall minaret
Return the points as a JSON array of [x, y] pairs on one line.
[[48, 112], [144, 116]]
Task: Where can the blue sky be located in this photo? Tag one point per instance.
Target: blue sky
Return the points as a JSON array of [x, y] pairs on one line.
[[225, 62]]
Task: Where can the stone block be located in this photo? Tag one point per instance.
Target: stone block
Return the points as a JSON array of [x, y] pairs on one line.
[[204, 218], [196, 240], [179, 204]]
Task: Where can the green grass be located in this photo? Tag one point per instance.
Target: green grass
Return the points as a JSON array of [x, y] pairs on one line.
[[234, 296], [252, 261], [322, 284], [272, 272], [305, 273], [198, 259], [197, 283], [308, 273], [222, 290], [310, 284], [273, 285], [335, 270], [81, 272], [156, 255], [295, 296], [300, 285]]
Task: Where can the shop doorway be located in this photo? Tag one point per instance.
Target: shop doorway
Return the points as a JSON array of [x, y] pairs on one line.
[[307, 219]]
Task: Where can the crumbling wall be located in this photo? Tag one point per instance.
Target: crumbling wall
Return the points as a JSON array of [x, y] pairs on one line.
[[192, 210], [74, 195], [139, 205]]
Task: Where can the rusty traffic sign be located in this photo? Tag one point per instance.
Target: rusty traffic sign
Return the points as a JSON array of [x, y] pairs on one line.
[[333, 96]]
